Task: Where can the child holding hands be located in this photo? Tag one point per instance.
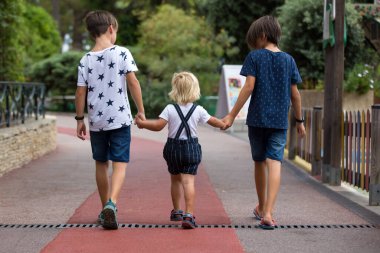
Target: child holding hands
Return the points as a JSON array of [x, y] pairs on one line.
[[182, 151], [272, 78]]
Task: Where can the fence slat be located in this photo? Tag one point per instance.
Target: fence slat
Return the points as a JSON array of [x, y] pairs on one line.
[[362, 170], [350, 148], [368, 137]]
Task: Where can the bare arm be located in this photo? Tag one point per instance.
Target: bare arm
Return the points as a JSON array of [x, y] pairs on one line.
[[135, 90], [153, 124], [296, 103], [80, 100], [244, 94], [215, 122]]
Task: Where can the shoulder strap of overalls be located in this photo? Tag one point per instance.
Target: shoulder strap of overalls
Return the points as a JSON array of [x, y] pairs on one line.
[[184, 120]]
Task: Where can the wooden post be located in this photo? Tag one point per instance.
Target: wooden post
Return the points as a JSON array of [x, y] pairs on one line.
[[292, 137], [334, 70], [316, 161], [374, 186]]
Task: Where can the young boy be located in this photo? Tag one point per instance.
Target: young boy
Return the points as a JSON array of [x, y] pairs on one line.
[[182, 151], [272, 78], [102, 74]]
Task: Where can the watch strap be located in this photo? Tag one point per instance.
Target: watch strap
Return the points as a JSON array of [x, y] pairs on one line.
[[79, 117]]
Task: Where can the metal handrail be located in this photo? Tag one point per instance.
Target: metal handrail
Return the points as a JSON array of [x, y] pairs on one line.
[[20, 101]]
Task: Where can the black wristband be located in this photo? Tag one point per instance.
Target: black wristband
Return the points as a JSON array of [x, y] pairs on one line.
[[302, 120], [79, 118]]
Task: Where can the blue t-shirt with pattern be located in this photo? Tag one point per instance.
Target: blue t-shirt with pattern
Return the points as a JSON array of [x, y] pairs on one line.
[[274, 74]]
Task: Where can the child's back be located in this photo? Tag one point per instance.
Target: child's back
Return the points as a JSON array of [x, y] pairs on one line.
[[104, 73], [170, 114], [275, 72]]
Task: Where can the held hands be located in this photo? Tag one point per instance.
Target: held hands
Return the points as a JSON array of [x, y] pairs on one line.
[[228, 121], [139, 118]]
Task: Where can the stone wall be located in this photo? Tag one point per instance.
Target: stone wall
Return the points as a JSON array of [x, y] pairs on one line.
[[23, 143]]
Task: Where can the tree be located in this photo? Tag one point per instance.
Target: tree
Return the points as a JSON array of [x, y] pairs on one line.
[[236, 17], [302, 28], [11, 47], [173, 41], [40, 34]]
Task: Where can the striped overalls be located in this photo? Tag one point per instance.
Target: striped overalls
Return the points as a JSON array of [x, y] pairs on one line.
[[183, 156]]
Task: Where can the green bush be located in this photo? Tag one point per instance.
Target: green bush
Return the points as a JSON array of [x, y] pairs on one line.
[[302, 26], [59, 73], [360, 79], [39, 34], [11, 46], [172, 41]]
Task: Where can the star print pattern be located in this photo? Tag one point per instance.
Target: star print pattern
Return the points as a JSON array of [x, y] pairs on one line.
[[111, 64], [100, 58], [110, 102], [104, 73], [275, 72]]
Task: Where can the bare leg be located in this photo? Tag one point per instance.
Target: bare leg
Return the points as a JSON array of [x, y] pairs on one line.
[[261, 181], [175, 189], [274, 178], [118, 176], [102, 181], [189, 190]]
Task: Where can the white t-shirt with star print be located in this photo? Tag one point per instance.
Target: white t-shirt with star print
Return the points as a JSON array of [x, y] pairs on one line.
[[103, 72]]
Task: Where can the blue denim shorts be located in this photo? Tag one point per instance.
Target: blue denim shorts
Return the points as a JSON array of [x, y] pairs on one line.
[[111, 145], [267, 143]]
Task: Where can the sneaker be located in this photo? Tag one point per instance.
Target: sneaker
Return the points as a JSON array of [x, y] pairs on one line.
[[100, 220], [188, 221], [176, 215], [109, 212]]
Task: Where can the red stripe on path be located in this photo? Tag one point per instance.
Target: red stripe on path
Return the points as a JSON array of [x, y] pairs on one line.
[[145, 199]]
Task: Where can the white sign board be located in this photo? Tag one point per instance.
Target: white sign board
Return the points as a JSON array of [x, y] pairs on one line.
[[230, 86]]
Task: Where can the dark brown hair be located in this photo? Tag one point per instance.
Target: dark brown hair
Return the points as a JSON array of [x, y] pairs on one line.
[[97, 22], [267, 26]]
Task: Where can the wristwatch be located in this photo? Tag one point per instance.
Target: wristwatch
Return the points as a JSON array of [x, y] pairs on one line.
[[302, 120], [79, 118]]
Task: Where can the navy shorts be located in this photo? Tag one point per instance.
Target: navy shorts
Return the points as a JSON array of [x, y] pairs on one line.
[[182, 156], [111, 145], [267, 143]]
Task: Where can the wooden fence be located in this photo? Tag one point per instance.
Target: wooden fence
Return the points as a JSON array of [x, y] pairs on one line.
[[359, 147]]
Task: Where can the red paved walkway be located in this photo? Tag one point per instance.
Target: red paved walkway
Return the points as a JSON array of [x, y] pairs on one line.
[[145, 199]]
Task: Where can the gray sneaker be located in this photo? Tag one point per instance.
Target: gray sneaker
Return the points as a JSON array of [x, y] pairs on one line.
[[109, 213], [100, 220]]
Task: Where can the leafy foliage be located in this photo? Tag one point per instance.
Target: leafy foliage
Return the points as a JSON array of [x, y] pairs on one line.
[[59, 72], [302, 37], [11, 47], [172, 41], [236, 17], [360, 79], [40, 36]]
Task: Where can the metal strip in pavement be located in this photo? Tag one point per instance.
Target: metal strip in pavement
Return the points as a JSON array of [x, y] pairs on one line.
[[153, 226]]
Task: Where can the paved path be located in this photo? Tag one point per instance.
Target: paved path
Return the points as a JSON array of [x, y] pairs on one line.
[[60, 188]]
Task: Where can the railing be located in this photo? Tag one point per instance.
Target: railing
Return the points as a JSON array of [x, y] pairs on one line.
[[20, 102], [360, 145]]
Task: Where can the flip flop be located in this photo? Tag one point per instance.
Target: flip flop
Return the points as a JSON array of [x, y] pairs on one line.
[[267, 226], [256, 213]]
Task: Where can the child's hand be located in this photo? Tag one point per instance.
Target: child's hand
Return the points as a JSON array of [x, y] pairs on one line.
[[228, 120], [138, 122], [301, 130]]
